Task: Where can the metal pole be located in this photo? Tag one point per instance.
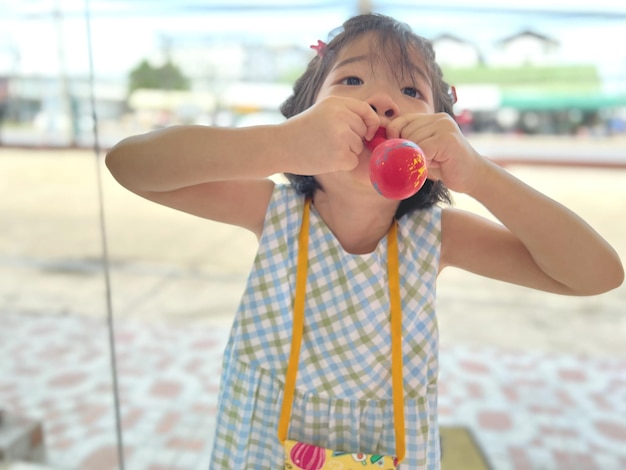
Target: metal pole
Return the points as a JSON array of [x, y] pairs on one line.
[[68, 110], [365, 6]]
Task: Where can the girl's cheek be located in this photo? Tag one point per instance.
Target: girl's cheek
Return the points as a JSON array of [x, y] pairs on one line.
[[363, 168]]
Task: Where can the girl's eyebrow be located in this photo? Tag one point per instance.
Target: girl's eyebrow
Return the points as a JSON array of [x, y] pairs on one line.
[[350, 60]]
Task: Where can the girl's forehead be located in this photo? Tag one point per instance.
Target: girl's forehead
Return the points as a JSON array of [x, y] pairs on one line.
[[363, 46], [385, 54]]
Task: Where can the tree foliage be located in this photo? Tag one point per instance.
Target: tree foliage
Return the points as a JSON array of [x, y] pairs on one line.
[[166, 77]]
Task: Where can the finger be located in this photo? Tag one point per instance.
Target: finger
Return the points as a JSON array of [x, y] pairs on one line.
[[356, 145], [395, 127], [357, 126], [424, 135], [407, 124], [367, 115]]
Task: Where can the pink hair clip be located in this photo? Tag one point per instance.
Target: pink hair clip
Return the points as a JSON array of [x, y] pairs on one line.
[[320, 48]]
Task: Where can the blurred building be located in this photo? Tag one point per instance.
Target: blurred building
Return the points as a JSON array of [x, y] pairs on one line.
[[521, 85], [454, 51], [525, 86], [526, 48]]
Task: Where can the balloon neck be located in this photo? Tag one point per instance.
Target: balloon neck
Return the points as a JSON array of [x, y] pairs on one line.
[[379, 138]]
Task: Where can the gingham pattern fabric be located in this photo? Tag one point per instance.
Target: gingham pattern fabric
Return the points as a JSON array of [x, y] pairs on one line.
[[343, 391]]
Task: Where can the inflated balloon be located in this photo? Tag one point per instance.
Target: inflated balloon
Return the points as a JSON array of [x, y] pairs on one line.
[[397, 166]]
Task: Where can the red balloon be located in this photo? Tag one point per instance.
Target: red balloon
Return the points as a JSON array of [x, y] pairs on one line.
[[379, 138], [397, 168]]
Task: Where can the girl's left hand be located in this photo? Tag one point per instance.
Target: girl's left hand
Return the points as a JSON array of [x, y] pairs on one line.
[[449, 156]]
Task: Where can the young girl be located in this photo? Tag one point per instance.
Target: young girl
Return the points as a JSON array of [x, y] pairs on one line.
[[374, 73]]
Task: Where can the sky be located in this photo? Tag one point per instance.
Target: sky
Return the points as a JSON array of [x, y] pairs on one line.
[[125, 31]]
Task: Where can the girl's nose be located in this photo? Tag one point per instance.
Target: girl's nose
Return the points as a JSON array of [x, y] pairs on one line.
[[384, 106]]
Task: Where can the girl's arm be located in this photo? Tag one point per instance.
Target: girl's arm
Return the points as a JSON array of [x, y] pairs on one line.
[[222, 174], [540, 243], [201, 170]]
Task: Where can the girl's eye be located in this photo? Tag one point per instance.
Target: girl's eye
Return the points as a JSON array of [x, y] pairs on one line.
[[412, 92], [352, 81]]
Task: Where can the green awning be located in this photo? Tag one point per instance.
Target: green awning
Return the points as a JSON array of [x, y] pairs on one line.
[[539, 100]]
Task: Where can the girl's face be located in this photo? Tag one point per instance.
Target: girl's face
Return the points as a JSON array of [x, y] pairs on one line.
[[357, 74]]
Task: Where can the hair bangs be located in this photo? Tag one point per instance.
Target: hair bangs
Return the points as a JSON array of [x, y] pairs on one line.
[[399, 52]]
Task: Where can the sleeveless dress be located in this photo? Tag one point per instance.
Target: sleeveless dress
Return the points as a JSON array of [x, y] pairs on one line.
[[343, 397]]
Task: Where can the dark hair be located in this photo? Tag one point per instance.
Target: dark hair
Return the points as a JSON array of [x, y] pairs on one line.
[[397, 42]]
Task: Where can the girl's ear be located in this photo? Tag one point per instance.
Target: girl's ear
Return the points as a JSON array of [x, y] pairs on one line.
[[452, 93]]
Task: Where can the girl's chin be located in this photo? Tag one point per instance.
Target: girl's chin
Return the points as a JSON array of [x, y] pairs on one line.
[[358, 177]]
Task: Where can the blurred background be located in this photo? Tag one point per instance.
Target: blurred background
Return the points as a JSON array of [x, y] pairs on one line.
[[114, 312]]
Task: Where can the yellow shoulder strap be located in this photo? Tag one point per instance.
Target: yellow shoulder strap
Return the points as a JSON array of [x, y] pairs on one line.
[[298, 326], [396, 339]]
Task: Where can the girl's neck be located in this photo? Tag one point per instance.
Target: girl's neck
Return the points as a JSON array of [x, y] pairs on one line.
[[358, 224]]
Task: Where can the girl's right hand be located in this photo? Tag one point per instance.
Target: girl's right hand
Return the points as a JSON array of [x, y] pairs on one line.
[[327, 137]]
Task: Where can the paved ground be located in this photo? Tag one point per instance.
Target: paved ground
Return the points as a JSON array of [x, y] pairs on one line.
[[528, 409], [541, 379]]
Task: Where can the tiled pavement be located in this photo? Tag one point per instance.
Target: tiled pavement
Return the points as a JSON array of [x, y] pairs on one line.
[[539, 411]]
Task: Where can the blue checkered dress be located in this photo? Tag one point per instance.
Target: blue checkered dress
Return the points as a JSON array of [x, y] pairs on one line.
[[343, 392]]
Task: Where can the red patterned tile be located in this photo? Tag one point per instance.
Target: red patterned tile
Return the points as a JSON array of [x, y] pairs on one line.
[[204, 344], [186, 444], [510, 393], [570, 460], [61, 444], [166, 389], [26, 371], [212, 389], [573, 375], [475, 390], [474, 367], [495, 420], [55, 352], [600, 401], [69, 379], [103, 458], [611, 429], [520, 458], [565, 398], [168, 422], [91, 413], [203, 409], [546, 410], [131, 418], [194, 365], [7, 388], [56, 428], [125, 337]]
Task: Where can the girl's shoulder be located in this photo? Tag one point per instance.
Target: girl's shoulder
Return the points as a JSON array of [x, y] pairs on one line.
[[284, 211], [421, 230], [426, 218]]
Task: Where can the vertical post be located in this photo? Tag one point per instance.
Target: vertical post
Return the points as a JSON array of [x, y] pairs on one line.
[[68, 108], [365, 6]]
